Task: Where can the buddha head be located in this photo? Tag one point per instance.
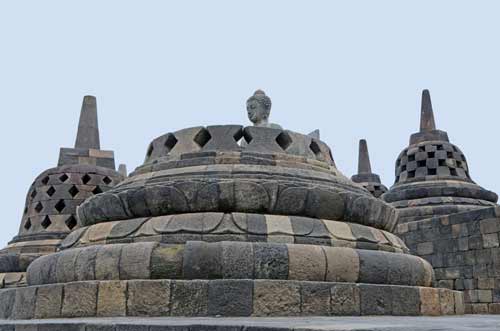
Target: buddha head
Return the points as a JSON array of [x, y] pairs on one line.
[[259, 108]]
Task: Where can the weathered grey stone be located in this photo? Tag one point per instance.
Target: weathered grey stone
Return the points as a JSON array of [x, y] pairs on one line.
[[374, 267], [230, 297], [112, 299], [202, 260], [85, 263], [237, 260], [376, 299], [135, 261], [224, 137], [7, 300], [24, 306], [342, 264], [80, 299], [429, 302], [107, 263], [151, 298], [315, 299], [271, 261], [345, 299], [405, 301], [276, 298], [49, 301], [166, 262], [189, 298]]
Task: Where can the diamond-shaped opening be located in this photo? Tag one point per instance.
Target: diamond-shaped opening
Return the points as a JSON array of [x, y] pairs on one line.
[[27, 224], [25, 210], [86, 179], [51, 191], [46, 222], [170, 142], [107, 180], [63, 178], [315, 148], [284, 140], [97, 190], [33, 194], [45, 180], [202, 137], [73, 191], [38, 207], [60, 205], [432, 172], [71, 222], [247, 136], [238, 135]]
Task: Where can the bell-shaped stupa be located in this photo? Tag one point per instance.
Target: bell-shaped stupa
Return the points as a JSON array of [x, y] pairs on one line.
[[51, 202], [365, 176], [209, 226], [432, 175]]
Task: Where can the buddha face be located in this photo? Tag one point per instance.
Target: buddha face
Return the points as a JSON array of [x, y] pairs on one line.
[[257, 113]]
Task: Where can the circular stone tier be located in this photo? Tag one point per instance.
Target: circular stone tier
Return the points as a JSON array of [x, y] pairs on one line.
[[263, 227]]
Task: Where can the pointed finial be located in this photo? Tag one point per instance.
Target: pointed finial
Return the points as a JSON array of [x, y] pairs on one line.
[[315, 134], [122, 169], [88, 128], [364, 166], [427, 122]]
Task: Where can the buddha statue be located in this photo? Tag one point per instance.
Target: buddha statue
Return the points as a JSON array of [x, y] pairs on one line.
[[259, 109]]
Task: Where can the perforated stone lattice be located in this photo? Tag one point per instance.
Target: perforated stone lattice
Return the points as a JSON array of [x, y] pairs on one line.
[[431, 160], [53, 200]]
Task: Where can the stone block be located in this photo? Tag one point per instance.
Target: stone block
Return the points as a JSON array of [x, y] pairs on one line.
[[494, 308], [490, 225], [485, 296], [480, 308], [429, 301], [7, 299], [237, 260], [230, 297], [271, 261], [107, 265], [316, 299], [24, 306], [276, 298], [166, 262], [202, 260], [342, 264], [49, 301], [375, 299], [85, 263], [425, 248], [306, 262], [374, 266], [189, 298], [80, 299], [490, 240], [148, 298], [345, 299], [405, 301], [447, 302], [112, 299], [135, 261], [459, 303]]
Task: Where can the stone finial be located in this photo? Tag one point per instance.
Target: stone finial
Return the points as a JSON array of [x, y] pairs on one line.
[[364, 166], [122, 169], [427, 122], [88, 128]]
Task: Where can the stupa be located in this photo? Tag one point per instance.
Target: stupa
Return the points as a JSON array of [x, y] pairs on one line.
[[209, 226], [432, 175], [365, 176], [51, 202]]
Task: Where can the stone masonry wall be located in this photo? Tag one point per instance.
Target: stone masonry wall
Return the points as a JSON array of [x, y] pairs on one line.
[[464, 250]]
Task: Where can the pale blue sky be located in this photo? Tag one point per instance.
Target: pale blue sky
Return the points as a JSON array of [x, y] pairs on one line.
[[353, 69]]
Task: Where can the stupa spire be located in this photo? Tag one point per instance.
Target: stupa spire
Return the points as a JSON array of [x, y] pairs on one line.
[[88, 128], [427, 122], [364, 166]]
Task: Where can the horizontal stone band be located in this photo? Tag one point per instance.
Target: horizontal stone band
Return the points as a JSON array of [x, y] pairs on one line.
[[223, 298], [229, 260], [212, 227]]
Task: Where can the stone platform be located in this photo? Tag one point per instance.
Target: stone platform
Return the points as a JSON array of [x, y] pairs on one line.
[[369, 323]]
